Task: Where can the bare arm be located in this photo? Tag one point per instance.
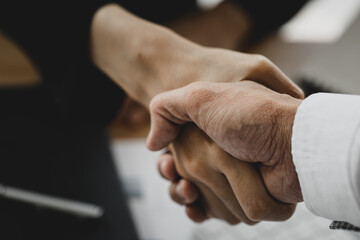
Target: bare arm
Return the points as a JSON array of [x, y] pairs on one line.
[[138, 54], [145, 59]]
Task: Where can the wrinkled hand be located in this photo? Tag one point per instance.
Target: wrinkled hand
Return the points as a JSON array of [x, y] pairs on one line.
[[231, 190], [247, 120]]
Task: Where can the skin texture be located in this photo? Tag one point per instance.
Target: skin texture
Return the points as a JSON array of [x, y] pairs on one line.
[[247, 120], [212, 28], [230, 189], [146, 59]]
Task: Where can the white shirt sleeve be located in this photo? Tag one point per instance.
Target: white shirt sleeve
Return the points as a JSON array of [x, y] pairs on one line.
[[326, 154]]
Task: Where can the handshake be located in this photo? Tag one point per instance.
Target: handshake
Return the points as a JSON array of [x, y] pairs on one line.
[[228, 120], [227, 124], [229, 147]]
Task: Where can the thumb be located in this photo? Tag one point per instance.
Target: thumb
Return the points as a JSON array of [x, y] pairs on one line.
[[168, 112], [272, 77]]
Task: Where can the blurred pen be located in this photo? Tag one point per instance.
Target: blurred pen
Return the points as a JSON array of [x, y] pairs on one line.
[[80, 209]]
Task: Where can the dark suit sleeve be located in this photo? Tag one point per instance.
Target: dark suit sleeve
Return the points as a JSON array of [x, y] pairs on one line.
[[55, 35], [266, 16]]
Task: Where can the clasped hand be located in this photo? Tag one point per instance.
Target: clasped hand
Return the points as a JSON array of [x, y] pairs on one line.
[[238, 167], [145, 59]]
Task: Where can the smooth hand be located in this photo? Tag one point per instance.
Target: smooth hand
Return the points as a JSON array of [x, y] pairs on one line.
[[146, 59]]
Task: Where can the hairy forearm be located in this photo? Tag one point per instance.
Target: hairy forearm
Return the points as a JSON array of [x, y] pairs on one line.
[[141, 57]]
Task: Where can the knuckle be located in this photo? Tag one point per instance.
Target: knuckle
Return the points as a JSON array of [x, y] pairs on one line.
[[265, 111], [166, 167], [232, 221], [195, 85], [194, 91], [175, 196], [268, 107], [196, 213], [262, 64], [263, 61], [255, 215], [155, 103], [159, 167], [255, 211], [190, 191], [286, 212], [252, 223], [197, 91]]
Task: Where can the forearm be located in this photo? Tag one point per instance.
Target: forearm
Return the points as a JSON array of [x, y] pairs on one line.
[[145, 59], [142, 58]]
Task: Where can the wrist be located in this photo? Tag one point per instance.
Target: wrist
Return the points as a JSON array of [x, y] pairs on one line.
[[279, 172], [294, 193], [290, 112], [164, 62], [142, 58]]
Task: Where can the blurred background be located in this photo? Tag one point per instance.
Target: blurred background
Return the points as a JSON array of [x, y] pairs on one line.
[[318, 48]]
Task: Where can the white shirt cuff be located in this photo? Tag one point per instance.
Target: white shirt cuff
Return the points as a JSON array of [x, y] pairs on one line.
[[326, 154]]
